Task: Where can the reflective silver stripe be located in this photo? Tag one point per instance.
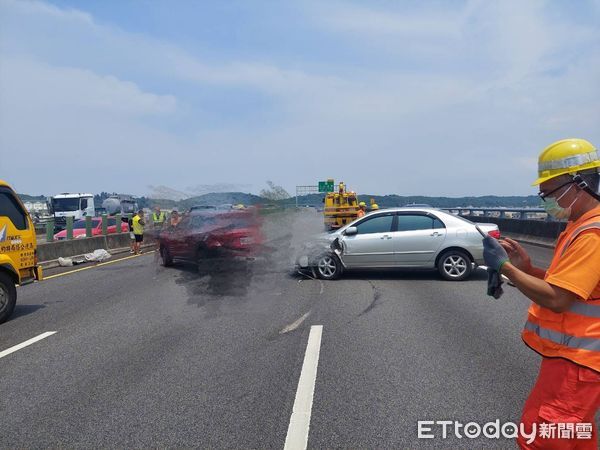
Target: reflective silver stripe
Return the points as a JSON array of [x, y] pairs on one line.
[[571, 161], [586, 309], [564, 339], [577, 232]]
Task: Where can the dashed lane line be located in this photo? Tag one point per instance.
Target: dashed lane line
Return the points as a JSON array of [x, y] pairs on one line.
[[297, 435], [27, 343]]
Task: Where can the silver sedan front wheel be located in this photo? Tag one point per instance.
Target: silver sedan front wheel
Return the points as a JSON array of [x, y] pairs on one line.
[[329, 267]]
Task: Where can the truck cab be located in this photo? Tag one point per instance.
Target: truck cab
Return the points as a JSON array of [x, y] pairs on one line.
[[75, 205], [340, 207], [18, 249]]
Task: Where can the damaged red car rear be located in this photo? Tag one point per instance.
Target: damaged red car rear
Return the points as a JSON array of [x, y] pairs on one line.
[[207, 235]]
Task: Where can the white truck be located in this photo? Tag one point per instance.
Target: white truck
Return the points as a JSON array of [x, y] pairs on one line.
[[68, 204]]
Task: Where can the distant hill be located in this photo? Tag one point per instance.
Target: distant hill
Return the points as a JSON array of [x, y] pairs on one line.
[[32, 198], [165, 192], [389, 201], [384, 201]]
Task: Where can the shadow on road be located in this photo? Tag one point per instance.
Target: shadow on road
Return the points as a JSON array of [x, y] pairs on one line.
[[236, 280], [23, 310], [215, 280], [406, 274]]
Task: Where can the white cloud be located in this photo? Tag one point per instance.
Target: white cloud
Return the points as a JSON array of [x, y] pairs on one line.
[[65, 128], [364, 20], [35, 85], [33, 7]]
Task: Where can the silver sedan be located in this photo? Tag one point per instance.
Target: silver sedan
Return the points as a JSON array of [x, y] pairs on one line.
[[424, 238]]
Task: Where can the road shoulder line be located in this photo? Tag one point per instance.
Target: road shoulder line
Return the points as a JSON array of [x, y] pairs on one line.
[[49, 277]]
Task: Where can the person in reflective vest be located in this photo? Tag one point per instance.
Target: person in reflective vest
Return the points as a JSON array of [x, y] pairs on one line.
[[158, 218], [137, 224], [563, 323]]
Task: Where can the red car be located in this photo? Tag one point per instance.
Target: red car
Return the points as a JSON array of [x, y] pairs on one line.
[[205, 235], [79, 228]]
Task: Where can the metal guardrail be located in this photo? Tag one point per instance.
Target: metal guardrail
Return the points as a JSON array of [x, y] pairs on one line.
[[50, 227], [503, 213]]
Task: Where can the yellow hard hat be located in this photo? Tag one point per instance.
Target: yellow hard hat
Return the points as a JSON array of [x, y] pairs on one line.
[[568, 156], [374, 206], [362, 204]]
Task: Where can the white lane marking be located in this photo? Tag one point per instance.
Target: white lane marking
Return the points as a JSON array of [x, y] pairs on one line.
[[292, 326], [297, 435], [8, 351]]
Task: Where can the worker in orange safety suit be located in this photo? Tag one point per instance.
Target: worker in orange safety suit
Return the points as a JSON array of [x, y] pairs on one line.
[[563, 323], [362, 209]]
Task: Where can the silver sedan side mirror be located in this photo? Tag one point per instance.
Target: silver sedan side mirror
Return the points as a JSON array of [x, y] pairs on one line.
[[351, 231]]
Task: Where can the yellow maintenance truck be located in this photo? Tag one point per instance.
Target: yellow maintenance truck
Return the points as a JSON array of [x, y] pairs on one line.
[[341, 207], [18, 249]]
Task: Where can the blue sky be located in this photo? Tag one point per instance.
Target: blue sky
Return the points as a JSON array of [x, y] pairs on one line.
[[409, 97]]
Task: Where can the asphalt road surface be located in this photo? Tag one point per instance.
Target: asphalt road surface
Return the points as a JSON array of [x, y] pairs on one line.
[[146, 356]]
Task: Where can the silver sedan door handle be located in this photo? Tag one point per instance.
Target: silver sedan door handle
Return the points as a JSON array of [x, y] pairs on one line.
[[385, 236], [435, 233]]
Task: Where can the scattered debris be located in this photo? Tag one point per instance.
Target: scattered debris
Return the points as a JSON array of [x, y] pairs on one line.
[[68, 262], [97, 255]]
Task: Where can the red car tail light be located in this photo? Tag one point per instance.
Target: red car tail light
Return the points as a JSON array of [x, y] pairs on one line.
[[495, 234]]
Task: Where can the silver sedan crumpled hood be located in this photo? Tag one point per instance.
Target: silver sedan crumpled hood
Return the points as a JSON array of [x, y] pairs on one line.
[[315, 247]]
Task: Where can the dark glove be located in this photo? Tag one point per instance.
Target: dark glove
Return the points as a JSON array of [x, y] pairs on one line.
[[494, 287], [494, 254]]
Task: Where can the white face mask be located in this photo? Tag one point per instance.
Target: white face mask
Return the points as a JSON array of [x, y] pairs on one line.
[[555, 210]]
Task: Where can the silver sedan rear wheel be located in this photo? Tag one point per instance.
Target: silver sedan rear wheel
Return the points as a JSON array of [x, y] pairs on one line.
[[455, 265]]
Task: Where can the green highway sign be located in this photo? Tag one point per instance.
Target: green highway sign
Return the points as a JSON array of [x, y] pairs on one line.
[[325, 186]]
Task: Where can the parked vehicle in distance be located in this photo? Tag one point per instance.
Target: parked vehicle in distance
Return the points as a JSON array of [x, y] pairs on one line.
[[120, 204], [75, 205], [409, 238], [210, 234], [79, 228], [18, 249], [202, 207]]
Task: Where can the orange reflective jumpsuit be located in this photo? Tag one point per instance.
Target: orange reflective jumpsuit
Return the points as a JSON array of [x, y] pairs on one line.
[[567, 390]]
